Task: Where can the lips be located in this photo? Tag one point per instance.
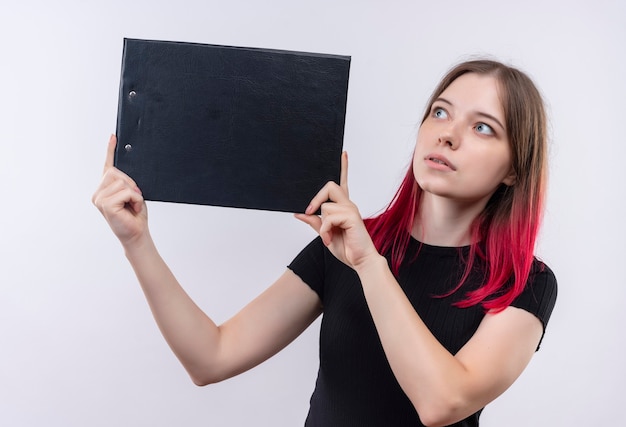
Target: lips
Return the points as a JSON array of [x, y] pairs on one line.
[[438, 159]]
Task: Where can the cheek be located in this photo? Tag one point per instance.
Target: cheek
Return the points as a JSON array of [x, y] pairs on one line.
[[417, 163], [424, 177], [495, 167], [505, 165], [419, 151]]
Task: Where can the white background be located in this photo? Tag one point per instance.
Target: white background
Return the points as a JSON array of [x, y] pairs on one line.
[[78, 346]]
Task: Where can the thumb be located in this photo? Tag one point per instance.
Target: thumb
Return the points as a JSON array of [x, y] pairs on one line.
[[314, 221]]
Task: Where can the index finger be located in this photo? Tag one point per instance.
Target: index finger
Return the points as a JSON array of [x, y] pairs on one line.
[[108, 163], [343, 178]]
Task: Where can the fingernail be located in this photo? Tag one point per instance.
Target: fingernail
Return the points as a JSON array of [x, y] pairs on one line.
[[308, 210]]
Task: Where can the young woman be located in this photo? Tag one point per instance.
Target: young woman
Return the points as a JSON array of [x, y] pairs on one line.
[[431, 309]]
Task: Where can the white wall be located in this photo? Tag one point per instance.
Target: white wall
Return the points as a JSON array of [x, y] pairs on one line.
[[78, 346]]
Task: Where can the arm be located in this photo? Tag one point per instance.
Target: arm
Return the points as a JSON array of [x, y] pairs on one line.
[[444, 388], [211, 353], [208, 352]]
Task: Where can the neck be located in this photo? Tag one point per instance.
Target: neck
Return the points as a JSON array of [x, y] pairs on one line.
[[444, 222]]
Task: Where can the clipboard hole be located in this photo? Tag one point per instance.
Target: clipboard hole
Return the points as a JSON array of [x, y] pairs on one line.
[[132, 94], [128, 148]]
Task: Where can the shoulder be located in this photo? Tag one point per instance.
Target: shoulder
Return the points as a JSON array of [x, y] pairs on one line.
[[309, 258], [317, 266], [541, 284], [310, 265], [540, 293]]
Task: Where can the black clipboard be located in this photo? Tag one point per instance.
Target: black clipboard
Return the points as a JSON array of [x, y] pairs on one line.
[[230, 126]]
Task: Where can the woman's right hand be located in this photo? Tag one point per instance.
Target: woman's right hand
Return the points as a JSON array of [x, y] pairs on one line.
[[208, 352], [119, 200]]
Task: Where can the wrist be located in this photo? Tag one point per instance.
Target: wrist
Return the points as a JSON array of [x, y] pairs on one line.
[[371, 263], [138, 246]]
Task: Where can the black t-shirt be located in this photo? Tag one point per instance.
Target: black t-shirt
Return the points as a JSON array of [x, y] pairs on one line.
[[355, 385]]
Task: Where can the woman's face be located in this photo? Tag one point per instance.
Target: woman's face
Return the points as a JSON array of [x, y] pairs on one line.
[[462, 149]]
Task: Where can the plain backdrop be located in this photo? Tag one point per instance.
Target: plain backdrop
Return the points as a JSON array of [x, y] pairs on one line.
[[78, 345]]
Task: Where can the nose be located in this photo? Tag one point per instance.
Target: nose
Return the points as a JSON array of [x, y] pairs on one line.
[[449, 136]]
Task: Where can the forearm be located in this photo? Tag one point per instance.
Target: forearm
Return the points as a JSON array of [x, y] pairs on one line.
[[190, 333], [431, 377]]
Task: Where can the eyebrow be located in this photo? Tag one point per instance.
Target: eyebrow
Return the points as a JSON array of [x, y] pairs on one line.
[[480, 113]]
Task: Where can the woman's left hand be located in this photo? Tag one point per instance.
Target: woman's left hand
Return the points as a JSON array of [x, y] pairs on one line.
[[340, 224]]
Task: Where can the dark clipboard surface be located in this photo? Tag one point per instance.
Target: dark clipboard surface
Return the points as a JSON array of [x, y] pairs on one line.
[[230, 126]]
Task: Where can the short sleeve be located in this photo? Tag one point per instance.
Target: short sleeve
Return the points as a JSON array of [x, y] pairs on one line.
[[539, 295], [310, 266]]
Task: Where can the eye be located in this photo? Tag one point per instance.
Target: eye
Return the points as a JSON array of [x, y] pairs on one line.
[[439, 113], [484, 128]]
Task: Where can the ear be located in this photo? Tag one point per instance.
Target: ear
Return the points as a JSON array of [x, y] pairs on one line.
[[510, 179]]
